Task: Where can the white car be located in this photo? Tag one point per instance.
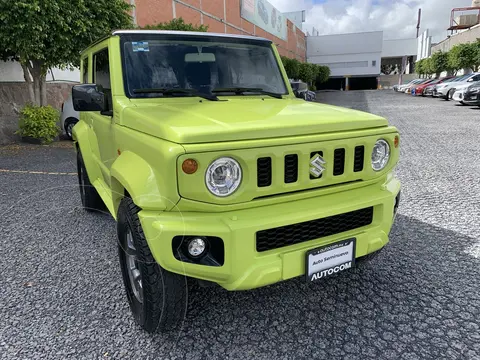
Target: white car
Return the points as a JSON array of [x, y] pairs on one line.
[[69, 117], [460, 91], [446, 90]]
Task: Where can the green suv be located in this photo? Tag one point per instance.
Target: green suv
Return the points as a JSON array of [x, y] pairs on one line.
[[215, 171]]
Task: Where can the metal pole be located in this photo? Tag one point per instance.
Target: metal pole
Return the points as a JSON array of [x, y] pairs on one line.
[[418, 22]]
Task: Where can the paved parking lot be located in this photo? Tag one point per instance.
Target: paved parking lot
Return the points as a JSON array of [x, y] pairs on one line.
[[61, 294]]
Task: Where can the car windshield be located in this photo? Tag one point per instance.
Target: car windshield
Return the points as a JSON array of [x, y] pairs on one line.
[[158, 65], [461, 78]]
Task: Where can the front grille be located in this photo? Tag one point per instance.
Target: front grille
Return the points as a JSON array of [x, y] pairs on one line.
[[359, 158], [264, 172], [291, 168], [297, 233], [339, 162]]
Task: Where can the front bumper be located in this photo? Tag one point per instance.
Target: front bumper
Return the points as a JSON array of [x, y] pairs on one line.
[[458, 96], [440, 92], [471, 98], [244, 267]]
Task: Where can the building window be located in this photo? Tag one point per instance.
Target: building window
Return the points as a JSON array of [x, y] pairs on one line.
[[374, 63]]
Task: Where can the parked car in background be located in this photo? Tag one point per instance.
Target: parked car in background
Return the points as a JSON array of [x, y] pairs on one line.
[[409, 88], [472, 94], [446, 91], [460, 90], [420, 89], [402, 87], [300, 89], [430, 87], [68, 117]]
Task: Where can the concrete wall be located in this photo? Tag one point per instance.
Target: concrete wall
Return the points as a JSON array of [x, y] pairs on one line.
[[221, 16], [399, 48], [357, 54], [11, 71], [13, 96], [467, 36], [387, 81]]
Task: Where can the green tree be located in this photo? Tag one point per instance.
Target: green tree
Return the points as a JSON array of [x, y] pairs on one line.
[[176, 24], [424, 67], [292, 67], [463, 56], [477, 54], [428, 67], [439, 63], [43, 34], [323, 74], [305, 73], [420, 67]]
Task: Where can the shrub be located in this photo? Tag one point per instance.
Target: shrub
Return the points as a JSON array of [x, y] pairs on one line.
[[292, 67], [39, 122]]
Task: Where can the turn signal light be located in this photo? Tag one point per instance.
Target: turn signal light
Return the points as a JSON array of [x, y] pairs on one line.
[[190, 166], [396, 141]]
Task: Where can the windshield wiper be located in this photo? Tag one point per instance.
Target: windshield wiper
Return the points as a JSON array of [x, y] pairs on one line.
[[243, 90], [171, 91]]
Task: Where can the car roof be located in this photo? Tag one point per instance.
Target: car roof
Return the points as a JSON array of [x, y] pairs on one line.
[[191, 33], [174, 32]]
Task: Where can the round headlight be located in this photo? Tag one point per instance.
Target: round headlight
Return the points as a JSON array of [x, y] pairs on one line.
[[380, 155], [223, 176]]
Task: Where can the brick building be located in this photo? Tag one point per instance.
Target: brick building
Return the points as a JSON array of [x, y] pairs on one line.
[[221, 16]]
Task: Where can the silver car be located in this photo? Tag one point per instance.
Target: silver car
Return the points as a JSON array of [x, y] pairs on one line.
[[446, 90], [69, 117]]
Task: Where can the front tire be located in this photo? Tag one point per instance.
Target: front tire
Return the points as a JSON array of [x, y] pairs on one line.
[[91, 201], [450, 95], [157, 297], [69, 124]]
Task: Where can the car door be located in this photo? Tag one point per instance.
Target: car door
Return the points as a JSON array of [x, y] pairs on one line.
[[102, 123]]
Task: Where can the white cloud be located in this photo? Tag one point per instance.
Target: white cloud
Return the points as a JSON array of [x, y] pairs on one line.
[[397, 18]]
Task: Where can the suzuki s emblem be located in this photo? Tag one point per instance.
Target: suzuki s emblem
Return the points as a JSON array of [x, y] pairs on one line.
[[317, 165]]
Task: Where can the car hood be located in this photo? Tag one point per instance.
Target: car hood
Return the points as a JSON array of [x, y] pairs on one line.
[[186, 121], [452, 84], [462, 86]]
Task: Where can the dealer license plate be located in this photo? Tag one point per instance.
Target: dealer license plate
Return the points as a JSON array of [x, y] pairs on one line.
[[330, 259]]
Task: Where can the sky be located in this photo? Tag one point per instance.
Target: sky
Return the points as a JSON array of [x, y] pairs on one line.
[[397, 18]]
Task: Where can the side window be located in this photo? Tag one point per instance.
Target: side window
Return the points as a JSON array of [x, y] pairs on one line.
[[476, 78], [101, 74], [85, 70]]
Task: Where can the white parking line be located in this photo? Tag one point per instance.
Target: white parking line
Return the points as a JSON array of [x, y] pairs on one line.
[[35, 172]]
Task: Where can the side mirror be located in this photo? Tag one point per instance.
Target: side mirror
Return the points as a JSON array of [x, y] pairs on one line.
[[470, 80], [88, 97]]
